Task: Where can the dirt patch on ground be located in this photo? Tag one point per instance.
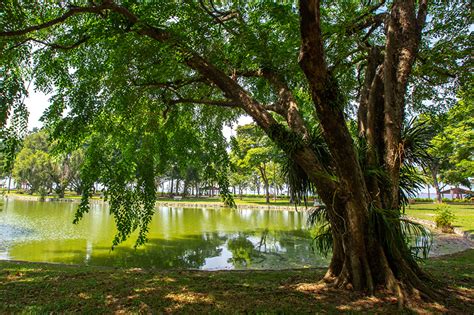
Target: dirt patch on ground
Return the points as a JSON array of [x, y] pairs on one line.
[[446, 244]]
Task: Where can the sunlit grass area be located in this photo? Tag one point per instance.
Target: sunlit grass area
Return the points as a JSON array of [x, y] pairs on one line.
[[41, 288], [464, 214], [257, 200]]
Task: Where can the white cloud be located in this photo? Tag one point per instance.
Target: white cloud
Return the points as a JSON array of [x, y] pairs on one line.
[[36, 102], [230, 131]]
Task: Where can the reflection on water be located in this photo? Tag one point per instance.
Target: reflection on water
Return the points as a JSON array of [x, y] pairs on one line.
[[198, 238]]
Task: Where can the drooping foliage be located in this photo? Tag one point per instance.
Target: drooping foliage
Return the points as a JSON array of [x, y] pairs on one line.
[[136, 80]]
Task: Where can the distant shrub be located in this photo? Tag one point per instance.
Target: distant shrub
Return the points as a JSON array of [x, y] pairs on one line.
[[460, 200], [444, 218], [423, 199]]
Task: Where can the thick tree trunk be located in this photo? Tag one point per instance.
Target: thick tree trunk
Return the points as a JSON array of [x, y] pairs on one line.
[[360, 259]]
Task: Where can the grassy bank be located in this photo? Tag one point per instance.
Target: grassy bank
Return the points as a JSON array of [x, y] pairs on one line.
[[42, 288], [464, 214], [247, 200]]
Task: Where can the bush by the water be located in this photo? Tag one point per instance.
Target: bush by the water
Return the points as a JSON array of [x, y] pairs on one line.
[[444, 218], [423, 199]]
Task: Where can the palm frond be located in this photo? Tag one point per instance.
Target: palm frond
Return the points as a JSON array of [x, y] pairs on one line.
[[317, 216], [416, 139], [399, 233], [298, 181], [420, 238], [320, 148], [322, 241], [411, 182]]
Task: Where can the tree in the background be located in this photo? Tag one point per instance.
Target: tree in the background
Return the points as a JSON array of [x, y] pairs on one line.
[[33, 165], [254, 150], [65, 172], [452, 148], [143, 69], [276, 176], [74, 163], [41, 170], [240, 175]]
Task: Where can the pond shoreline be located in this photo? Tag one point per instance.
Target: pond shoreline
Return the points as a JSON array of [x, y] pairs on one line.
[[443, 243], [144, 269], [432, 225], [182, 204]]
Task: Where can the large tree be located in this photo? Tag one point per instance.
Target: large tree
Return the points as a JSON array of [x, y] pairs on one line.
[[254, 151], [134, 70], [452, 148]]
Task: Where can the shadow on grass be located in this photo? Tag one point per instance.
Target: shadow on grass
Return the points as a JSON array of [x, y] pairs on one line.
[[47, 288]]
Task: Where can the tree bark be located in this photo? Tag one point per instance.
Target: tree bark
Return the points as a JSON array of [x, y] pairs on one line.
[[350, 204], [360, 257]]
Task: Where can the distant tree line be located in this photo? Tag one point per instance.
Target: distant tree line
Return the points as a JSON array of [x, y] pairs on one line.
[[37, 169], [256, 164]]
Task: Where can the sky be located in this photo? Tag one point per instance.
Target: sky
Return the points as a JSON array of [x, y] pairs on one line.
[[36, 102]]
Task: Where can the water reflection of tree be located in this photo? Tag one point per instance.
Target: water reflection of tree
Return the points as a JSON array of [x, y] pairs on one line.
[[273, 249], [243, 251], [189, 252], [263, 240]]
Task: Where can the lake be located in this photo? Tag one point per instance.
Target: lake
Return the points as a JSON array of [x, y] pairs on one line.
[[188, 238]]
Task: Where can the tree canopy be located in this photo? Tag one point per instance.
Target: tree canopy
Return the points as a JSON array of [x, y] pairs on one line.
[[42, 171], [133, 79], [253, 152]]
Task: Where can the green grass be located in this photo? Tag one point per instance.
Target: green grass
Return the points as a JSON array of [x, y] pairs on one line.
[[464, 214], [244, 201], [42, 288], [257, 200], [67, 195]]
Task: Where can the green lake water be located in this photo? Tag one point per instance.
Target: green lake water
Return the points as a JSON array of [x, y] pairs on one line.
[[190, 238]]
